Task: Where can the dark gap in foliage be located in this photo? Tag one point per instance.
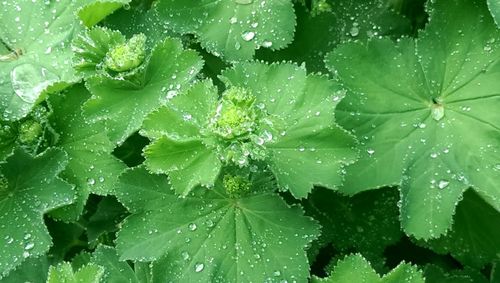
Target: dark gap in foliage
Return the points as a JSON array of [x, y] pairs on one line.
[[213, 65], [130, 151], [414, 10], [322, 260], [406, 250], [69, 239]]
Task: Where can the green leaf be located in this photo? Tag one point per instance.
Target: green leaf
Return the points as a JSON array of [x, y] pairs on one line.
[[355, 268], [181, 159], [125, 104], [208, 236], [63, 273], [475, 237], [232, 29], [425, 112], [116, 271], [311, 141], [32, 270], [37, 35], [95, 12], [90, 48], [494, 6], [343, 20], [29, 188], [292, 133], [91, 166], [434, 274]]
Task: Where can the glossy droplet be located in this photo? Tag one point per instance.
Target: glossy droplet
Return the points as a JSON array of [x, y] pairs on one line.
[[192, 226], [267, 44], [354, 31], [370, 151], [29, 246], [185, 255], [443, 184], [28, 81], [199, 267], [437, 112], [243, 2], [91, 181], [248, 35]]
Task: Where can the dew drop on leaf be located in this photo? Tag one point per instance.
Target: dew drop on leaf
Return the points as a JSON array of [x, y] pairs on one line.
[[28, 81], [248, 35], [192, 226], [199, 267], [443, 184], [243, 2]]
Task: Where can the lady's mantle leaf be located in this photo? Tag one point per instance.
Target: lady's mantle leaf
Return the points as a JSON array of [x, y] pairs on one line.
[[37, 35], [125, 104], [115, 271], [426, 113], [272, 113], [91, 166], [475, 237], [209, 236], [31, 270], [494, 6], [95, 12], [29, 187], [341, 20], [90, 48], [232, 28], [355, 268], [63, 273]]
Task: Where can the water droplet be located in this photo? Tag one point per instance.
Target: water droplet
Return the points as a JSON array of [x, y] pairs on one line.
[[29, 246], [210, 223], [91, 181], [243, 2], [267, 44], [28, 81], [248, 35], [101, 179], [434, 155], [185, 255], [437, 112], [171, 94], [370, 151], [422, 125], [354, 31], [277, 273], [192, 226], [443, 184], [26, 254], [187, 117], [199, 267], [233, 20], [27, 236]]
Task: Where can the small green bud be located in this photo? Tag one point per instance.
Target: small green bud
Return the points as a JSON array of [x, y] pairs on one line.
[[235, 115], [236, 185], [128, 55], [29, 131]]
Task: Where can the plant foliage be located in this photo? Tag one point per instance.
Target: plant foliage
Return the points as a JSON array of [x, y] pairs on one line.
[[152, 141]]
